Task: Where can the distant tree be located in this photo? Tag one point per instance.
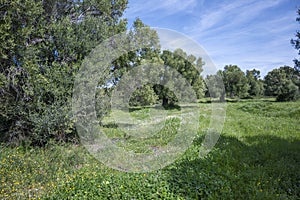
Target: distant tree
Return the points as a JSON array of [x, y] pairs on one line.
[[296, 44], [282, 83], [215, 86], [189, 67], [235, 81], [140, 56], [256, 85], [143, 96]]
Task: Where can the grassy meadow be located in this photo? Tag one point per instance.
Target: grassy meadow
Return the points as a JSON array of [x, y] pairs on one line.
[[256, 157]]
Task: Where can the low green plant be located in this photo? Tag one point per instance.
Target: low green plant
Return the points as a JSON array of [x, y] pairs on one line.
[[256, 157]]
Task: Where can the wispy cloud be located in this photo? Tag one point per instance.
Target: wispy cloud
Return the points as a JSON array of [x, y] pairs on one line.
[[250, 33], [160, 8], [234, 14]]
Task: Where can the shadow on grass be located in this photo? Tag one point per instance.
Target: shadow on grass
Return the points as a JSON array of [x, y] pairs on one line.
[[237, 100], [132, 109], [262, 167], [110, 125], [165, 107]]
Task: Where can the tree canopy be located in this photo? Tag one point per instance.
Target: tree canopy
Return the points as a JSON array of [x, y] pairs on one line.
[[283, 83], [42, 45], [255, 83], [235, 82]]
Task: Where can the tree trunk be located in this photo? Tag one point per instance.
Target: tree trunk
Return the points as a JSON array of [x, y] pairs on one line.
[[165, 102], [222, 97]]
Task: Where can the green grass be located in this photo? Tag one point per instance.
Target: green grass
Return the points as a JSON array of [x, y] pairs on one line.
[[256, 157]]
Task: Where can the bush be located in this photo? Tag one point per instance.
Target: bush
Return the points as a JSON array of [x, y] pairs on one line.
[[37, 108], [289, 92], [143, 96]]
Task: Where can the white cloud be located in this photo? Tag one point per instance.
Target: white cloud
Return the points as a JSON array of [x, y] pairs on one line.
[[160, 8], [234, 14], [249, 33]]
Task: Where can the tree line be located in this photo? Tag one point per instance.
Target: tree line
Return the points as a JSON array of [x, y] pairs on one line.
[[44, 42], [282, 83]]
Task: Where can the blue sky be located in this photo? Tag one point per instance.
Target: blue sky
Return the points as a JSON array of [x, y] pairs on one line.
[[248, 33]]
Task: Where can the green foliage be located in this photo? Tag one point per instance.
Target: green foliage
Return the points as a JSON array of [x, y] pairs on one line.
[[235, 82], [256, 85], [43, 44], [283, 83], [289, 92], [215, 86], [189, 67], [143, 96], [102, 101]]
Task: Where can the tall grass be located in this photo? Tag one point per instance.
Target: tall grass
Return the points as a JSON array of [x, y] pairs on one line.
[[256, 157]]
